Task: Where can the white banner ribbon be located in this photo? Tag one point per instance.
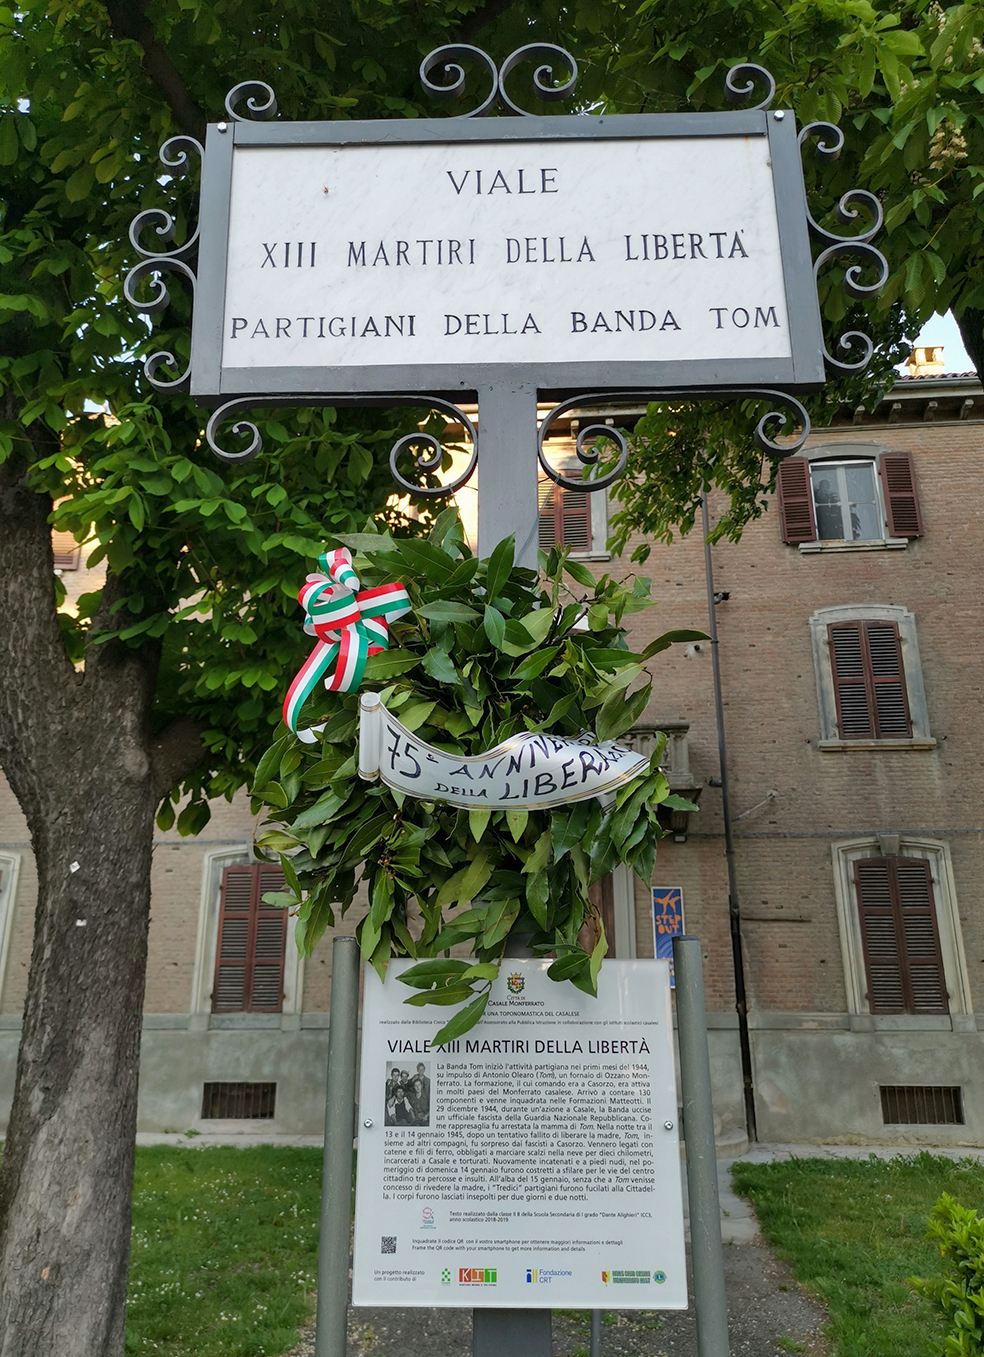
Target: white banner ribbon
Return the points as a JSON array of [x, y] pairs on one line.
[[523, 773]]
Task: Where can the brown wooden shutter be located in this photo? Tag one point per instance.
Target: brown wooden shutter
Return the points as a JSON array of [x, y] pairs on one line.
[[249, 962], [799, 522], [891, 704], [869, 681], [900, 936], [565, 516], [901, 501], [66, 551]]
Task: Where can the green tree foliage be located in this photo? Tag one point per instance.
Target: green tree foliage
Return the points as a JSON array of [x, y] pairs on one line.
[[901, 78], [903, 82], [959, 1232], [488, 654]]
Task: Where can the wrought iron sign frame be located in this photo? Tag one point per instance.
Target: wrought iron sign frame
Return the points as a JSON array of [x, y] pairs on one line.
[[230, 391]]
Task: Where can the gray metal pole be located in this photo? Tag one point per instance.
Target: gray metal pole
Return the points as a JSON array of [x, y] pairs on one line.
[[336, 1181], [707, 1252], [595, 1350], [734, 908], [507, 503], [507, 469]]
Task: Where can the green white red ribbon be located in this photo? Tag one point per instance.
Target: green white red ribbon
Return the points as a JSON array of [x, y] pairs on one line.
[[350, 624]]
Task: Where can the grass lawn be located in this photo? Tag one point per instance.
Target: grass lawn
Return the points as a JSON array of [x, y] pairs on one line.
[[224, 1252], [853, 1231]]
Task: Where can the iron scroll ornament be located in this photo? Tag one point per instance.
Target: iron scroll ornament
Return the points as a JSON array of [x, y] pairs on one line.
[[828, 143], [157, 261], [767, 429], [450, 57], [427, 462]]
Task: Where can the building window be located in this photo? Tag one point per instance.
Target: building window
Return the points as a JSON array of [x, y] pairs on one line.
[[249, 963], [846, 500], [565, 516], [900, 937], [869, 682], [899, 923], [66, 551], [869, 679], [9, 869]]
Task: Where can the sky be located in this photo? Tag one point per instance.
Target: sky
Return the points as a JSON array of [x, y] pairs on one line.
[[943, 330]]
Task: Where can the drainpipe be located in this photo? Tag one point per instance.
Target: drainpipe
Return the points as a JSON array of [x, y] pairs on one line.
[[734, 911]]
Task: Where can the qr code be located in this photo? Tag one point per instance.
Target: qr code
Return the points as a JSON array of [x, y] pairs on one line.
[[388, 1244]]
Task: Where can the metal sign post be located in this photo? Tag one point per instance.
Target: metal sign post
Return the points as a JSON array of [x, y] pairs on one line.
[[336, 1180], [696, 283]]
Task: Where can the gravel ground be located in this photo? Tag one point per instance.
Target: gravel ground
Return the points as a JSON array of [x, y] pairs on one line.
[[770, 1316]]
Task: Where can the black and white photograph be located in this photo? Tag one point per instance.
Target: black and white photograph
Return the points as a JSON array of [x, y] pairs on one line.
[[407, 1093]]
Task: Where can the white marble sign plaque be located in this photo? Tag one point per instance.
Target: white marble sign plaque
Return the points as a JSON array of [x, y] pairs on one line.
[[526, 1164], [545, 252]]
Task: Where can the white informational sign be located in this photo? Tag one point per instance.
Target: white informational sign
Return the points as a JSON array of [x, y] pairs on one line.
[[525, 772], [527, 1164], [529, 252]]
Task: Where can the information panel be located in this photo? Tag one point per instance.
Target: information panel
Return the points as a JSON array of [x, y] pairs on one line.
[[527, 1164]]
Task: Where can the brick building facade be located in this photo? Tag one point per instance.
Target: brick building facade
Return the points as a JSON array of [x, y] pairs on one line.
[[862, 979]]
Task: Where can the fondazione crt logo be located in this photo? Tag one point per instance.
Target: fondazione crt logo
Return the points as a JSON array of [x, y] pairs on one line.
[[477, 1276], [516, 984]]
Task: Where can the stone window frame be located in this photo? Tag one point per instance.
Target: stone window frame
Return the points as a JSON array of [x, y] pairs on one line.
[[852, 451], [10, 864], [214, 863], [830, 739], [936, 852]]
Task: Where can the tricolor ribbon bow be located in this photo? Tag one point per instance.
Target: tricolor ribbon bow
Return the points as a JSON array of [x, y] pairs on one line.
[[350, 626]]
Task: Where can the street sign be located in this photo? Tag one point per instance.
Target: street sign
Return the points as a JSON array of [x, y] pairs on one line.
[[659, 254], [590, 251], [534, 1162]]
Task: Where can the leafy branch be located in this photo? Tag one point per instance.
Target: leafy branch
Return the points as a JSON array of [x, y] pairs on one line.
[[491, 650]]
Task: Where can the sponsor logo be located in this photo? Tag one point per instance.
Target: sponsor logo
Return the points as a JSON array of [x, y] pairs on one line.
[[623, 1275], [477, 1276], [659, 1277], [446, 1276], [542, 1277], [427, 1221], [516, 983]]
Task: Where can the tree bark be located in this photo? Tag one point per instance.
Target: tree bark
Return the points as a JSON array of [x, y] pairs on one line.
[[971, 326], [77, 750]]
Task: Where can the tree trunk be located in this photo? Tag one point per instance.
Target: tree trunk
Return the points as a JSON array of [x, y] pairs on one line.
[[68, 1160], [971, 326], [77, 750]]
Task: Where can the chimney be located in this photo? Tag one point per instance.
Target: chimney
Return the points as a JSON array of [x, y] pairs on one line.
[[926, 360]]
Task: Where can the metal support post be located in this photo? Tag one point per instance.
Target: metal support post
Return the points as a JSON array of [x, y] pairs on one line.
[[507, 503], [507, 469], [511, 1333], [336, 1181], [707, 1252], [595, 1349], [734, 907]]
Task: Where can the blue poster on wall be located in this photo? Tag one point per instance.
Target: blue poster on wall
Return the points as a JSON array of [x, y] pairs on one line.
[[667, 921]]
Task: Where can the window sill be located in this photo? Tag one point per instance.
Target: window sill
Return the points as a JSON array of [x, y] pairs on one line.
[[884, 544], [845, 746], [241, 1021], [901, 1022], [591, 555]]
